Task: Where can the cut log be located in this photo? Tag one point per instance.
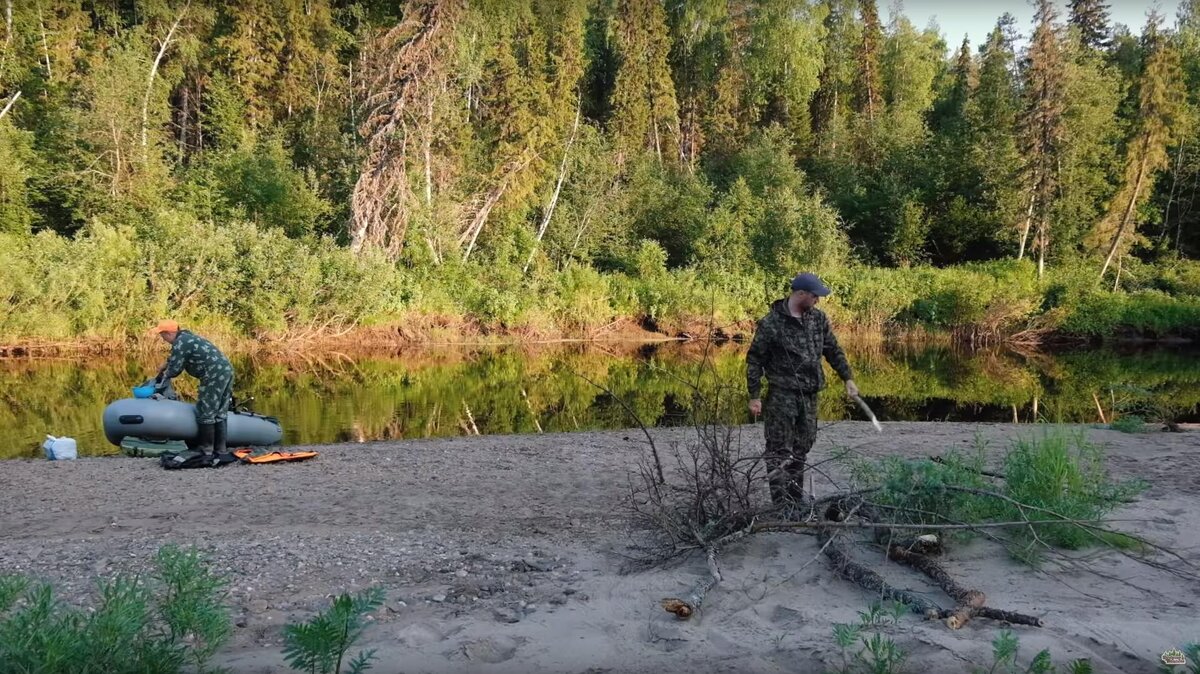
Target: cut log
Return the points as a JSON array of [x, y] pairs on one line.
[[684, 607], [968, 603], [846, 567]]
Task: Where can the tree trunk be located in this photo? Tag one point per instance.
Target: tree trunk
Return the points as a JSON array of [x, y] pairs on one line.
[[493, 197], [8, 32], [1028, 224], [8, 106], [657, 144], [1127, 215], [45, 43], [1171, 194], [154, 71], [183, 121], [562, 174], [199, 121], [846, 567], [427, 149], [684, 607]]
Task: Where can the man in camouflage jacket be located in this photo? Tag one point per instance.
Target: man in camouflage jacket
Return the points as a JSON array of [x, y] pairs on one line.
[[787, 348], [204, 361]]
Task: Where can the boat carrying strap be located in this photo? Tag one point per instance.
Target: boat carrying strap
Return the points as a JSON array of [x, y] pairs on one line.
[[246, 454]]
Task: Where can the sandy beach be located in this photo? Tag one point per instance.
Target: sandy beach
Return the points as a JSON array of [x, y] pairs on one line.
[[502, 554]]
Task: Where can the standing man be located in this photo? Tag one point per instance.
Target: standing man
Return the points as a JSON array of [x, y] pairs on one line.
[[204, 361], [787, 349]]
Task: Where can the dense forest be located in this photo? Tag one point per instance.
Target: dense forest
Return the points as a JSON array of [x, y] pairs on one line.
[[267, 168]]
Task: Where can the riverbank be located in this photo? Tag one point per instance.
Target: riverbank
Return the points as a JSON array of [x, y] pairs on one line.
[[385, 339], [270, 293], [501, 554]]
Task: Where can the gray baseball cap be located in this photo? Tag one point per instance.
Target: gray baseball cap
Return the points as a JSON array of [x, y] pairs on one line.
[[809, 281]]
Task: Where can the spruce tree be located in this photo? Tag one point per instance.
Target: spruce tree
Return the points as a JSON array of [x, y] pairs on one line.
[[868, 90], [1159, 106], [1042, 129], [1090, 18]]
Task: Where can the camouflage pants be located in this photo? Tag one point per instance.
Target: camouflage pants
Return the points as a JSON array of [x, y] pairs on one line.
[[212, 403], [790, 427]]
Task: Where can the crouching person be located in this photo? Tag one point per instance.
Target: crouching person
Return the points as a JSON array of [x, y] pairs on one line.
[[198, 357]]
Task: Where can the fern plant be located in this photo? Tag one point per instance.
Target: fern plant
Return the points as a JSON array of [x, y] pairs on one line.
[[319, 645]]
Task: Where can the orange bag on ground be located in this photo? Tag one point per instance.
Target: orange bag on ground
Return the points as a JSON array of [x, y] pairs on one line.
[[247, 455]]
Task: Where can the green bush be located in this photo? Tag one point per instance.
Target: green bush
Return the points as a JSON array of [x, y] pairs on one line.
[[235, 279], [172, 621], [319, 645], [1054, 480], [1064, 475], [1100, 313]]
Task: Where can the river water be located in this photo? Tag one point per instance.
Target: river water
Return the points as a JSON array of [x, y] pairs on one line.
[[430, 392]]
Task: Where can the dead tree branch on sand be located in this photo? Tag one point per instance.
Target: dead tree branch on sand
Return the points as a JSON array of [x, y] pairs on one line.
[[709, 496]]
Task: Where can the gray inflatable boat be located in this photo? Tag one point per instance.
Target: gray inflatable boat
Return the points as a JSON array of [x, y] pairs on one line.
[[164, 419]]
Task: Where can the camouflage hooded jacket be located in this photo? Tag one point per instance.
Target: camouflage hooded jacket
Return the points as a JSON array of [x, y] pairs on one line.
[[788, 351], [197, 356]]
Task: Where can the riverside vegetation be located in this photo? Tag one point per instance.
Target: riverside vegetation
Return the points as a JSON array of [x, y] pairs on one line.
[[433, 168]]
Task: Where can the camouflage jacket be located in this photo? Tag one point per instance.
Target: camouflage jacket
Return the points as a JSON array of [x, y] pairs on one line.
[[197, 356], [788, 351]]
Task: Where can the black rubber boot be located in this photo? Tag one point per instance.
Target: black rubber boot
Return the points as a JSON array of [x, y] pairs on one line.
[[219, 437], [204, 439]]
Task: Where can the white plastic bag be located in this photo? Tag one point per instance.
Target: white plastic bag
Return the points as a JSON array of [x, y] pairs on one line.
[[60, 449]]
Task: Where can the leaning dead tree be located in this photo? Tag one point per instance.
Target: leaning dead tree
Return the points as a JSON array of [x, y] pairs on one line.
[[711, 497], [404, 71]]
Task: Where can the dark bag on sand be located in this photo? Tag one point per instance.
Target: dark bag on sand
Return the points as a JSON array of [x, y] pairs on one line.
[[190, 459]]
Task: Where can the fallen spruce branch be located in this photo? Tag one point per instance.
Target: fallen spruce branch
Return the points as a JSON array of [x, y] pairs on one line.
[[851, 570], [967, 602], [970, 605]]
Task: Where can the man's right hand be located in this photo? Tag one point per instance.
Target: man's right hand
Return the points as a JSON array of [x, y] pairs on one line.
[[756, 407]]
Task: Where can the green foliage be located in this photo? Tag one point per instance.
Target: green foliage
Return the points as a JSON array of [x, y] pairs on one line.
[[319, 645], [1053, 482], [260, 185], [169, 625], [1062, 477], [1005, 649], [1129, 423], [875, 654], [16, 169]]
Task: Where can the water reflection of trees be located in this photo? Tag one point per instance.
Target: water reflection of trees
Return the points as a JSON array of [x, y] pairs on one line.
[[426, 393]]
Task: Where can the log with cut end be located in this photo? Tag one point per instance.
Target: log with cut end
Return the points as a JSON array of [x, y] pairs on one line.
[[869, 580], [684, 607], [968, 603]]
